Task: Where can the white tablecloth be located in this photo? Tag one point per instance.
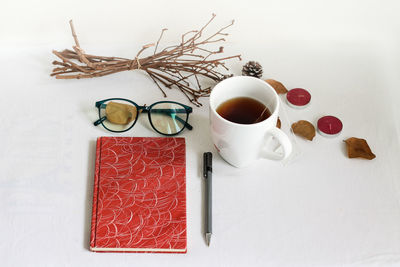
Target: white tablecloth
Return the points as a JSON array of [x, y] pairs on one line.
[[320, 208]]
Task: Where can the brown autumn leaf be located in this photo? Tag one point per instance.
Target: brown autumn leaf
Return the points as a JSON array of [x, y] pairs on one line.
[[278, 123], [119, 113], [358, 148], [278, 86], [304, 129]]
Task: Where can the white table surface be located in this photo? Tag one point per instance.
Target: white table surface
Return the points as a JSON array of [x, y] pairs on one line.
[[320, 209]]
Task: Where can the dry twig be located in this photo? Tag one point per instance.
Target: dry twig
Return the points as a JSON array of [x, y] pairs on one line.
[[170, 67]]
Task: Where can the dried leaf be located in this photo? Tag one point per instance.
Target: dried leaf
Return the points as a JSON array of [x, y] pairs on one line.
[[278, 86], [304, 129], [278, 123], [358, 148], [120, 113]]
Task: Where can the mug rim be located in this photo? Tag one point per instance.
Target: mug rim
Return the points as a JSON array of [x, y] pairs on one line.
[[257, 80]]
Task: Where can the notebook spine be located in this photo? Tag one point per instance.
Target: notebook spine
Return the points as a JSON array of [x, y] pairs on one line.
[[95, 194]]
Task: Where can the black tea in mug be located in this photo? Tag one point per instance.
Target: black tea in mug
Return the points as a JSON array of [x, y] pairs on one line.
[[243, 110]]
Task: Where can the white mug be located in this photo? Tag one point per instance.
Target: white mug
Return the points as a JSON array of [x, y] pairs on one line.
[[241, 144]]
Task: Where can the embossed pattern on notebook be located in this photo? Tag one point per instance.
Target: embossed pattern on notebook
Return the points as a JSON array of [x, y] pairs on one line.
[[141, 198]]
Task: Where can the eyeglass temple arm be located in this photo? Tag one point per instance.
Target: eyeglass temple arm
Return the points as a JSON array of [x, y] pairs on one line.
[[99, 104], [190, 127], [171, 111], [99, 121]]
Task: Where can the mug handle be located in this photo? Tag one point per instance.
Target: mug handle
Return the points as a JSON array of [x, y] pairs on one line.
[[283, 141]]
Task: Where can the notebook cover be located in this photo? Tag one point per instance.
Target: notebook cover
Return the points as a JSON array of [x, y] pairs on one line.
[[139, 196]]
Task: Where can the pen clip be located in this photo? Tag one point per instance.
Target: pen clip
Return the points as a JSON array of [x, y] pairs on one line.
[[207, 163]]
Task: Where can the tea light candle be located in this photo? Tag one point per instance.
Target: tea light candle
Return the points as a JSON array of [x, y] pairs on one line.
[[329, 126], [298, 98]]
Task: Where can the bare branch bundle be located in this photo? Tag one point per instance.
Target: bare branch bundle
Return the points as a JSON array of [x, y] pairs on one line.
[[170, 67]]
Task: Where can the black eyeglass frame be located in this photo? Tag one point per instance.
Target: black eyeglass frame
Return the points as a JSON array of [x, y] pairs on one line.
[[145, 109]]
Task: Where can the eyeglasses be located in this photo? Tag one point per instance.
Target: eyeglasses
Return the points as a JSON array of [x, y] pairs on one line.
[[120, 115]]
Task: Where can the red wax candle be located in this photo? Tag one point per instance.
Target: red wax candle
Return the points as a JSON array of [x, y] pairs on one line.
[[329, 126], [298, 98]]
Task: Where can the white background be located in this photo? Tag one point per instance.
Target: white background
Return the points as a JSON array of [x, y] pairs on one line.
[[320, 209]]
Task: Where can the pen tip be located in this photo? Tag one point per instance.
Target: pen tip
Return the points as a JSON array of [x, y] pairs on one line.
[[208, 238]]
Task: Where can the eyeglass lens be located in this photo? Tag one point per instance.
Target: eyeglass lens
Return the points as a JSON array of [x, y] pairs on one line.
[[168, 118], [120, 114]]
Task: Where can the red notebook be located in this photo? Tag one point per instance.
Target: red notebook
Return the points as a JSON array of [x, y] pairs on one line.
[[139, 196]]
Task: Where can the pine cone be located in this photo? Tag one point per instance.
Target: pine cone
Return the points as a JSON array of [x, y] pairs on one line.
[[252, 68]]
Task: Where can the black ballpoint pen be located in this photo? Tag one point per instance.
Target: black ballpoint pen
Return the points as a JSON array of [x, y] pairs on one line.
[[207, 173]]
